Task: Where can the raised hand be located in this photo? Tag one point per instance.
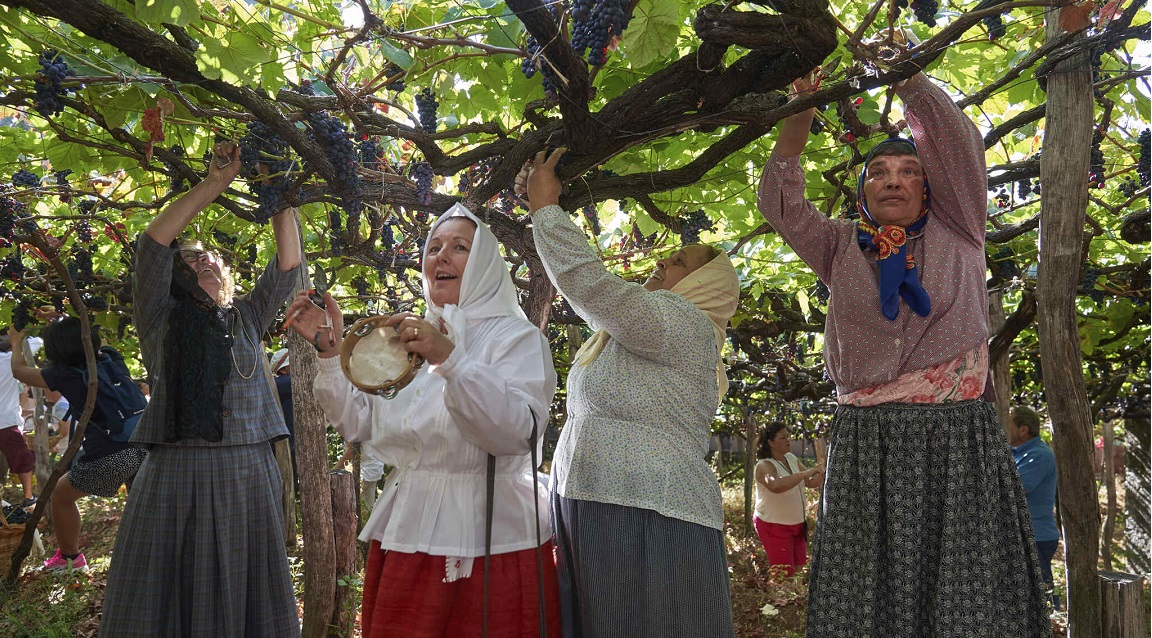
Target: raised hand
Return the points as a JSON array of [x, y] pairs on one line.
[[323, 328]]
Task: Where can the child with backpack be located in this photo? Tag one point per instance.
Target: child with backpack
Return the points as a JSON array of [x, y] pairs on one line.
[[106, 460]]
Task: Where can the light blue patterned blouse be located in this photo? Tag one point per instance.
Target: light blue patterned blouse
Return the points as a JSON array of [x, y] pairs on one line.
[[639, 416]]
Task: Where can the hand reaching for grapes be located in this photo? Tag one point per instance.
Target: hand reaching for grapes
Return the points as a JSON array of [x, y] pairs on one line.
[[538, 179], [225, 163]]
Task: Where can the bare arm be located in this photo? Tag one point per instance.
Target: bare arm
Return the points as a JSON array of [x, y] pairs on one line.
[[24, 373], [766, 476], [288, 253]]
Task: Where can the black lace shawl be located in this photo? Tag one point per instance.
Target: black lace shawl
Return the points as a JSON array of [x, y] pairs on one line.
[[196, 359]]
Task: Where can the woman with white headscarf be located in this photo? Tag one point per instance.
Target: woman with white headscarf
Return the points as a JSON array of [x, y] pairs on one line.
[[636, 507], [489, 383]]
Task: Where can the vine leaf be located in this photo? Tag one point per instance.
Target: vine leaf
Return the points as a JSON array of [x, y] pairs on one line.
[[652, 32], [1074, 17], [233, 59], [178, 12]]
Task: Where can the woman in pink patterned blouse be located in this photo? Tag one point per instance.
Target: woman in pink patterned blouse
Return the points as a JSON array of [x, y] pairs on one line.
[[923, 519]]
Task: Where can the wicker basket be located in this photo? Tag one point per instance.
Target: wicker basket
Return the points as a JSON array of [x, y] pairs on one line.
[[10, 535]]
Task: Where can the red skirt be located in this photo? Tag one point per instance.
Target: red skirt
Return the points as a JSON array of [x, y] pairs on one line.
[[405, 596]]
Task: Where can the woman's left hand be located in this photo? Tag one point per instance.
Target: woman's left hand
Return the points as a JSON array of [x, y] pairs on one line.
[[421, 337], [14, 336], [538, 179]]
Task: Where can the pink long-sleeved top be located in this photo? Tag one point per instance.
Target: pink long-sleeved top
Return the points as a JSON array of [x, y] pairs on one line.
[[862, 348]]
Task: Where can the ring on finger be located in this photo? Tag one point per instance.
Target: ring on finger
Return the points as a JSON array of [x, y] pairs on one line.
[[415, 333]]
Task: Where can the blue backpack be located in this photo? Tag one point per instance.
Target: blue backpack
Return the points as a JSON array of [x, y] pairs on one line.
[[118, 399]]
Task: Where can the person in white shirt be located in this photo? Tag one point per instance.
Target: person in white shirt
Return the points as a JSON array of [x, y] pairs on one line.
[[780, 516], [486, 390], [21, 460]]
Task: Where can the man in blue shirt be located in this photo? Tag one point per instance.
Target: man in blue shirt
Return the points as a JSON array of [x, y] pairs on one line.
[[1037, 467]]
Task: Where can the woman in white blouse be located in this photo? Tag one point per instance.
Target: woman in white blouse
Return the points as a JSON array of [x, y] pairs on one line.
[[636, 507], [489, 383]]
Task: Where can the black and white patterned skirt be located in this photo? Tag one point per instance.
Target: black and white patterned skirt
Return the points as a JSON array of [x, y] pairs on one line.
[[924, 530]]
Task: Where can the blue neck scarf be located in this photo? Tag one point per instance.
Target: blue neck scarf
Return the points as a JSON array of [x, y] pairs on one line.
[[898, 276]]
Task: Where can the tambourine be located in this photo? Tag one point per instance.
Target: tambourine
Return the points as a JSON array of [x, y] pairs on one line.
[[374, 359]]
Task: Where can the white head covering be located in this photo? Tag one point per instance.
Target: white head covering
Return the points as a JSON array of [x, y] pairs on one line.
[[486, 288], [280, 360]]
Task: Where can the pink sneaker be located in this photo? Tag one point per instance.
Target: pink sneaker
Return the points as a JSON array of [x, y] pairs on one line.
[[58, 563]]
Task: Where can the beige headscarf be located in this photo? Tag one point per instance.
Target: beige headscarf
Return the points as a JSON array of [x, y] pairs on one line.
[[714, 289]]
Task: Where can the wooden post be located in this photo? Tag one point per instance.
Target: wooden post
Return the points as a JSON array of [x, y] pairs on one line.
[[1110, 485], [1064, 177], [315, 492], [344, 517], [1125, 604], [749, 469]]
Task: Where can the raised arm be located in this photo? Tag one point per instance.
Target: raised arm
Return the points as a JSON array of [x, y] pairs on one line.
[[952, 152], [781, 200], [24, 373], [176, 216], [646, 323]]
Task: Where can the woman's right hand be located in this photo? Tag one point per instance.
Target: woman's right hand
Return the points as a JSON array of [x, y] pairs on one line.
[[224, 165], [323, 328]]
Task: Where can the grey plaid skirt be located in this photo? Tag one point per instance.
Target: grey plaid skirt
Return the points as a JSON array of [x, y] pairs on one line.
[[200, 549], [924, 530]]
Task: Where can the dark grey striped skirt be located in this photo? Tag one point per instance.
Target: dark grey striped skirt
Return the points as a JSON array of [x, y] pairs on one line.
[[627, 572], [200, 549], [924, 530]]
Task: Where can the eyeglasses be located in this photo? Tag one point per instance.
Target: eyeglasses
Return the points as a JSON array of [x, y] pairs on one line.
[[191, 255]]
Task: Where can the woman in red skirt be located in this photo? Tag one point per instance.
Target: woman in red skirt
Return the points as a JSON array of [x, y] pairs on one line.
[[485, 394]]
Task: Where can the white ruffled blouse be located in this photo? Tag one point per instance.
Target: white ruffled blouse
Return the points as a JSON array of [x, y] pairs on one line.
[[436, 434]]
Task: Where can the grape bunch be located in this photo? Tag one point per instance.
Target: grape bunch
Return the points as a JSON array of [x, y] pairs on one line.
[[1004, 266], [421, 173], [594, 23], [177, 185], [84, 231], [49, 83], [593, 218], [1096, 164], [360, 284], [387, 236], [535, 60], [1087, 285], [97, 303], [392, 70], [26, 178], [62, 177], [995, 26], [223, 239], [1138, 281], [1142, 167], [925, 11], [692, 224], [87, 206], [9, 209], [261, 145], [12, 267], [368, 151], [80, 268], [426, 106], [332, 136], [122, 323], [1128, 187], [1024, 188], [640, 240], [1003, 198]]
